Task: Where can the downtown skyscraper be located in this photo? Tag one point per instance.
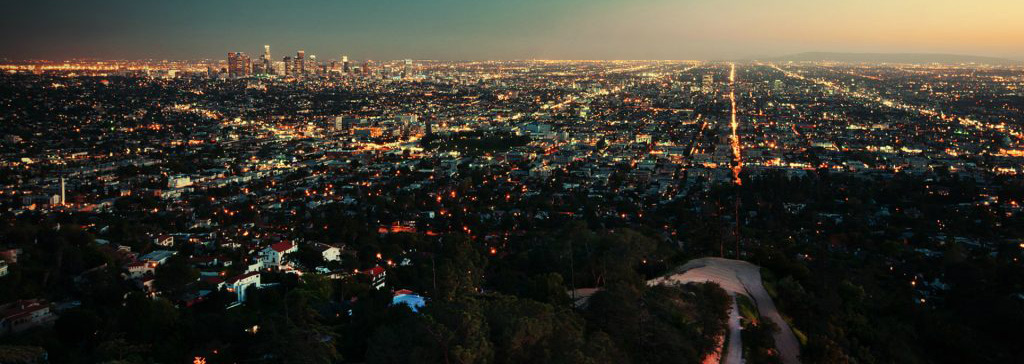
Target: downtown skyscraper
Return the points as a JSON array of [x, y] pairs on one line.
[[299, 69], [407, 69], [239, 65], [267, 63]]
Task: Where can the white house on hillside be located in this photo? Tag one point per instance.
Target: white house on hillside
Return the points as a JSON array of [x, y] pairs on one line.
[[240, 283], [273, 255], [329, 253]]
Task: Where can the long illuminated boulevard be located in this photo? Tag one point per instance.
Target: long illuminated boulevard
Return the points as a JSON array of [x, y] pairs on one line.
[[734, 124]]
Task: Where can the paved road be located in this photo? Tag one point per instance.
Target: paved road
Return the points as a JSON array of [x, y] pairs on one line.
[[734, 353], [739, 277]]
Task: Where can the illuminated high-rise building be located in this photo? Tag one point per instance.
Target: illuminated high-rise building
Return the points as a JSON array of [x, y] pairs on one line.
[[289, 66], [407, 70], [239, 65], [267, 67], [300, 64], [232, 61], [708, 83], [344, 63]]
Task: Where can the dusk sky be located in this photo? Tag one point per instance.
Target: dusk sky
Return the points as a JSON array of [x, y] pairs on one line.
[[523, 29]]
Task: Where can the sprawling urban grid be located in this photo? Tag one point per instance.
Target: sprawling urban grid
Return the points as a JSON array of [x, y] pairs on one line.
[[304, 209]]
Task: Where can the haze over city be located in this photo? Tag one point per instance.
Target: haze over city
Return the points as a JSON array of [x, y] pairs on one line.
[[530, 29]]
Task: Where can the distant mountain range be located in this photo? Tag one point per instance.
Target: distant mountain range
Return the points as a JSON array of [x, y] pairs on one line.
[[893, 58]]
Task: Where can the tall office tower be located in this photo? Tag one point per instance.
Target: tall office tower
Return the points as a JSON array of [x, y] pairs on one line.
[[232, 62], [300, 64], [239, 65], [289, 66], [407, 71], [344, 64], [267, 67], [313, 67], [366, 67], [708, 84]]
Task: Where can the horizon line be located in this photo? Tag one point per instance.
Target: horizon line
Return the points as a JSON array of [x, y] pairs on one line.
[[8, 60]]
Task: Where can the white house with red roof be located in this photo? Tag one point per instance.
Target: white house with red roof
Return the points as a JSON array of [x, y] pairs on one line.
[[22, 315], [378, 276], [272, 256], [140, 269]]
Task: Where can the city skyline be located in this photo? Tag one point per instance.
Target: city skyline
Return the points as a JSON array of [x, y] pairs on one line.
[[461, 30]]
